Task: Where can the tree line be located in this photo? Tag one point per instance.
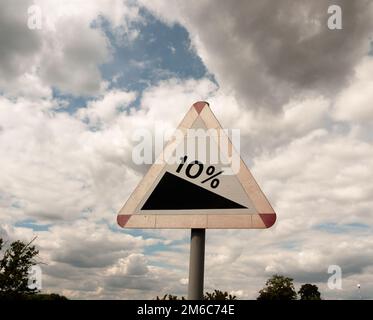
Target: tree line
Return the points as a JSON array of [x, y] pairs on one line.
[[17, 259], [277, 287]]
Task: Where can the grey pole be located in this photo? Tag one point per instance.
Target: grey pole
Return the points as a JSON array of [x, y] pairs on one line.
[[196, 264]]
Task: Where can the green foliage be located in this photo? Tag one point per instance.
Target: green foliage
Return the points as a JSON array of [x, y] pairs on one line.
[[278, 288], [33, 297], [52, 296], [169, 297], [219, 295], [309, 292], [215, 295], [14, 268]]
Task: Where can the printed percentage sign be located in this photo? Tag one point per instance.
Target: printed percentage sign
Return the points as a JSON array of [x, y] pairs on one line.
[[194, 170], [214, 181]]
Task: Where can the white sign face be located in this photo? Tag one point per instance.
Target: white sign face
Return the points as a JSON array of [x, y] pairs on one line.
[[199, 181]]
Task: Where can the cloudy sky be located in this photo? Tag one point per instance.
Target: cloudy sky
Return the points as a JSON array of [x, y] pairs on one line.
[[72, 92]]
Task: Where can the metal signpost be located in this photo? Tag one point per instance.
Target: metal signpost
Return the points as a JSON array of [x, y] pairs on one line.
[[196, 264], [196, 191]]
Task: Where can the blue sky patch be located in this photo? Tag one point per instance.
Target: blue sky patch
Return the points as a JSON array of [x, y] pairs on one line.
[[30, 224], [342, 228], [158, 53]]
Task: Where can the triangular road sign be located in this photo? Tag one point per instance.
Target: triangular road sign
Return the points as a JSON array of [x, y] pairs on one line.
[[194, 193]]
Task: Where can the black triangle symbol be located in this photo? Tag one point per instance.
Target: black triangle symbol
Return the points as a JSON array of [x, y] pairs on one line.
[[175, 193]]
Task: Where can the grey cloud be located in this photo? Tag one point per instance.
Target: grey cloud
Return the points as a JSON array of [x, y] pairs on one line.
[[95, 253], [87, 258], [19, 44], [65, 53], [71, 278], [75, 68], [137, 266], [351, 263], [270, 51], [3, 233], [133, 282]]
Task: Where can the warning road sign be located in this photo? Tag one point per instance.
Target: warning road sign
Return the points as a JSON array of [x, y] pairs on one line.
[[201, 188]]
